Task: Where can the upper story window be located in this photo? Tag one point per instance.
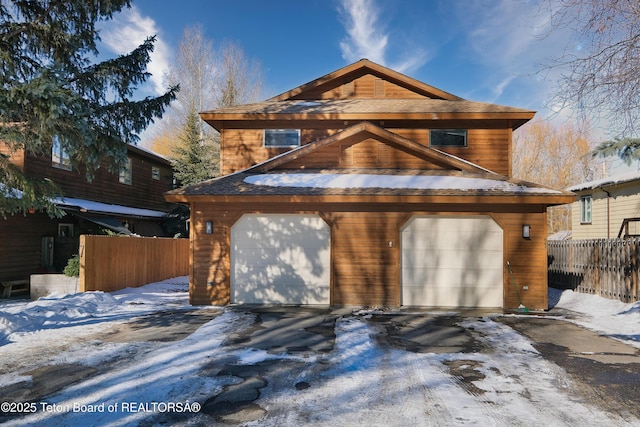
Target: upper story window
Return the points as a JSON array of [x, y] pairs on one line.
[[155, 172], [126, 172], [281, 137], [59, 156], [448, 138], [585, 209]]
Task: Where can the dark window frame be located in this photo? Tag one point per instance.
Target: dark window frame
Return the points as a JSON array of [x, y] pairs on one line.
[[280, 137], [448, 138]]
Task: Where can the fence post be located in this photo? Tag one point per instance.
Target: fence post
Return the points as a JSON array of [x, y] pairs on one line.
[[633, 297], [596, 263]]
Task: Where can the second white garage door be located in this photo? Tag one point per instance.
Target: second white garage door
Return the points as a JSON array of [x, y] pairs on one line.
[[281, 259], [452, 261]]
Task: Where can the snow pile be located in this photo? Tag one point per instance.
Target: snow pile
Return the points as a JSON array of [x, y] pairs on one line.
[[59, 310], [608, 317]]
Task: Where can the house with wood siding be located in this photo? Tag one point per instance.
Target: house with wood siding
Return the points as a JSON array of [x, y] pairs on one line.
[[606, 208], [129, 202], [367, 187]]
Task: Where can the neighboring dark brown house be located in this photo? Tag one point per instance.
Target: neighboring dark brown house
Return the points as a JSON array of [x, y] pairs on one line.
[[129, 202], [367, 187]]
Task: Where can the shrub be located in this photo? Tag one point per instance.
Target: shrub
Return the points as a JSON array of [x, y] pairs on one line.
[[73, 266]]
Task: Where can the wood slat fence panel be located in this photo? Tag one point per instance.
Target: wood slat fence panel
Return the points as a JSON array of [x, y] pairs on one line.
[[111, 263], [605, 267]]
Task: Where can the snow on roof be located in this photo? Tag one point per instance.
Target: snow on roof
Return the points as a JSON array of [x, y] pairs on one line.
[[10, 193], [417, 182], [614, 180], [98, 207]]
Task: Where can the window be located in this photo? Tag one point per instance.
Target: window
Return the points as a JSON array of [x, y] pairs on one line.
[[65, 230], [59, 156], [281, 137], [448, 138], [155, 172], [126, 173], [585, 209]]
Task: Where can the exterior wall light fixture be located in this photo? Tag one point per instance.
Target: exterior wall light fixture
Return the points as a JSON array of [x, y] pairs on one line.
[[208, 227], [526, 231]]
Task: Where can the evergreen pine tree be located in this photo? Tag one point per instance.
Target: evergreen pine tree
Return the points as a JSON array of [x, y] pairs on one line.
[[628, 149], [52, 86], [194, 158]]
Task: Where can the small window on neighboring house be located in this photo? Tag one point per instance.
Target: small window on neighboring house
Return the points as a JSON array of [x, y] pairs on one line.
[[448, 138], [65, 230], [126, 173], [585, 209], [281, 137], [155, 172], [59, 156]]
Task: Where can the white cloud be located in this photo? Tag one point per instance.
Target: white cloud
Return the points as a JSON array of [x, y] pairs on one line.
[[128, 30], [368, 38], [512, 39]]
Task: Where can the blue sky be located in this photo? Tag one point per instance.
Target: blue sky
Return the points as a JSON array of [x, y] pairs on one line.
[[482, 50]]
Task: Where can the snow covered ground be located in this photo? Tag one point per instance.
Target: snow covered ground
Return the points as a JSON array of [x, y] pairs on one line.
[[358, 383]]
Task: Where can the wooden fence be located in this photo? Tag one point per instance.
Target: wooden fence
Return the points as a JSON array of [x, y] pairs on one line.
[[111, 263], [605, 267]]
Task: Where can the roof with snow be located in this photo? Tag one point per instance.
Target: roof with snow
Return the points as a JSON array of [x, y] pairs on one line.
[[606, 182], [391, 182], [84, 206]]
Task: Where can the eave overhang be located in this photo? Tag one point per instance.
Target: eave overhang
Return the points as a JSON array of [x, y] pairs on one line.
[[515, 119], [471, 201]]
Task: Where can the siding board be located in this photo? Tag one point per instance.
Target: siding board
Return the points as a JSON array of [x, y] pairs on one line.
[[242, 148]]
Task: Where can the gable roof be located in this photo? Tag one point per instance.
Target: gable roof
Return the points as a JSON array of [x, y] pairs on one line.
[[459, 178], [303, 103], [362, 67], [366, 130]]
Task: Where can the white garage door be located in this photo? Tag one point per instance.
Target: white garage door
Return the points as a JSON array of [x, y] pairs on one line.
[[281, 259], [452, 261]]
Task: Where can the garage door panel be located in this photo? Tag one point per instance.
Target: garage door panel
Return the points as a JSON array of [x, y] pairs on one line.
[[455, 240], [280, 259], [452, 261], [447, 296], [452, 277]]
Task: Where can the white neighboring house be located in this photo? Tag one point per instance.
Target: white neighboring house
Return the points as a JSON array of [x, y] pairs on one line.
[[606, 208]]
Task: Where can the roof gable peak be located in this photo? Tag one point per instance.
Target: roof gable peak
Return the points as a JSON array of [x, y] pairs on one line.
[[360, 68]]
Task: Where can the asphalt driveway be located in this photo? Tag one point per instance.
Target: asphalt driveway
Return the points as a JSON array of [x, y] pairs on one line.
[[318, 366]]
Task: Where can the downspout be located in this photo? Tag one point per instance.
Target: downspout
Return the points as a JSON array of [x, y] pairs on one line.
[[608, 213]]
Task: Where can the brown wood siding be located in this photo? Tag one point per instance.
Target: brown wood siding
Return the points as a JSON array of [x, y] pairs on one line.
[[365, 269], [144, 192], [364, 154], [365, 258], [488, 148], [363, 86], [210, 257], [528, 259], [21, 243]]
